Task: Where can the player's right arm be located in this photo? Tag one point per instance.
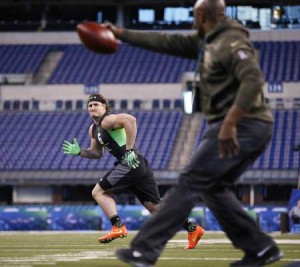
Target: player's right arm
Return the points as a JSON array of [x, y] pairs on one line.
[[95, 151]]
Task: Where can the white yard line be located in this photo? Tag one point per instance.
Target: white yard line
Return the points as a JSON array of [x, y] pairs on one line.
[[226, 241], [60, 257], [214, 259]]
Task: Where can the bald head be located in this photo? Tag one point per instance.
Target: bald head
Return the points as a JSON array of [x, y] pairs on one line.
[[198, 4], [214, 10]]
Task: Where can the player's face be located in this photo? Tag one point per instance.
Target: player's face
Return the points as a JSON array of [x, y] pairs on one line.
[[96, 109]]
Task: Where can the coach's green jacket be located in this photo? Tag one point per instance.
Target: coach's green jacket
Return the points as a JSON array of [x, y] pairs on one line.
[[229, 71]]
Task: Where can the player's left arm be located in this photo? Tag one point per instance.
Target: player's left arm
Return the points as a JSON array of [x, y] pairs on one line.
[[122, 120]]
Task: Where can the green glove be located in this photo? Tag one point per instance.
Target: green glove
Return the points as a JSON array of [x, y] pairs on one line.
[[131, 159], [71, 149]]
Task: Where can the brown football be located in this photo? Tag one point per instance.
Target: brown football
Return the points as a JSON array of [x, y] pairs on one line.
[[97, 37]]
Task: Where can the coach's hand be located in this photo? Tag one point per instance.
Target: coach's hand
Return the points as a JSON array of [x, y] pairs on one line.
[[117, 31], [131, 159], [228, 143], [71, 149]]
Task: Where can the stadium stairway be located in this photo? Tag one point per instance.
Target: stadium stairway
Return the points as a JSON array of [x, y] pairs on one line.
[[48, 65], [184, 143]]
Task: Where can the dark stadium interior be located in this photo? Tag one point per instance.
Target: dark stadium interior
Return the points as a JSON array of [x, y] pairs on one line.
[[30, 15]]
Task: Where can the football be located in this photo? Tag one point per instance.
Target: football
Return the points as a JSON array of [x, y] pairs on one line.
[[97, 37]]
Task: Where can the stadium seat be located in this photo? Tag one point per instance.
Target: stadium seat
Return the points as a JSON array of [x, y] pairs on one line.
[[16, 105], [77, 63], [69, 104], [25, 105], [137, 104], [35, 105], [130, 70], [123, 104], [112, 103], [296, 103], [178, 104], [59, 104], [22, 58], [7, 105], [40, 154], [155, 104], [279, 103], [166, 103], [79, 104]]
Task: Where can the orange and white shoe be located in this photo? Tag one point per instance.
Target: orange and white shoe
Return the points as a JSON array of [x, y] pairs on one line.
[[194, 237], [116, 232]]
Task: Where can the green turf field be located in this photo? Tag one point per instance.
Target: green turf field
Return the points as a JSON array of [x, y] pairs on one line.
[[26, 249]]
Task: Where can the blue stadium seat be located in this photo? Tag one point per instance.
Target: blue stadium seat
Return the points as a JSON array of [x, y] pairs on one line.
[[79, 104], [59, 104], [136, 65], [35, 105], [123, 104], [41, 153], [154, 68], [155, 104], [296, 103], [25, 105], [137, 103], [7, 105], [178, 103], [31, 57], [16, 105], [112, 103], [69, 104], [279, 103], [166, 103]]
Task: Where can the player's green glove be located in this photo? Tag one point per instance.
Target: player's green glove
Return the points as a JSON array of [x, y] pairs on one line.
[[131, 159], [71, 149]]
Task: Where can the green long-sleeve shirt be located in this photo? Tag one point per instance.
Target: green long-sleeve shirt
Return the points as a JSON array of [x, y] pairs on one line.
[[229, 72]]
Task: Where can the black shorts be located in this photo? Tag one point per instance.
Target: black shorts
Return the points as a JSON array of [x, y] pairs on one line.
[[139, 181]]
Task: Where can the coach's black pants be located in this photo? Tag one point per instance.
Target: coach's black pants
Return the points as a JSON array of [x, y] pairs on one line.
[[207, 176]]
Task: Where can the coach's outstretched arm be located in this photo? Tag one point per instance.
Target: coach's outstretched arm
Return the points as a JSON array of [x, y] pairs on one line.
[[180, 45]]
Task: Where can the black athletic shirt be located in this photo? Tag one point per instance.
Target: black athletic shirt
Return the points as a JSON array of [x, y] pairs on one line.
[[114, 141]]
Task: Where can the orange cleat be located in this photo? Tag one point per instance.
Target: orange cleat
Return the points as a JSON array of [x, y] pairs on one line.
[[194, 237], [115, 233]]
